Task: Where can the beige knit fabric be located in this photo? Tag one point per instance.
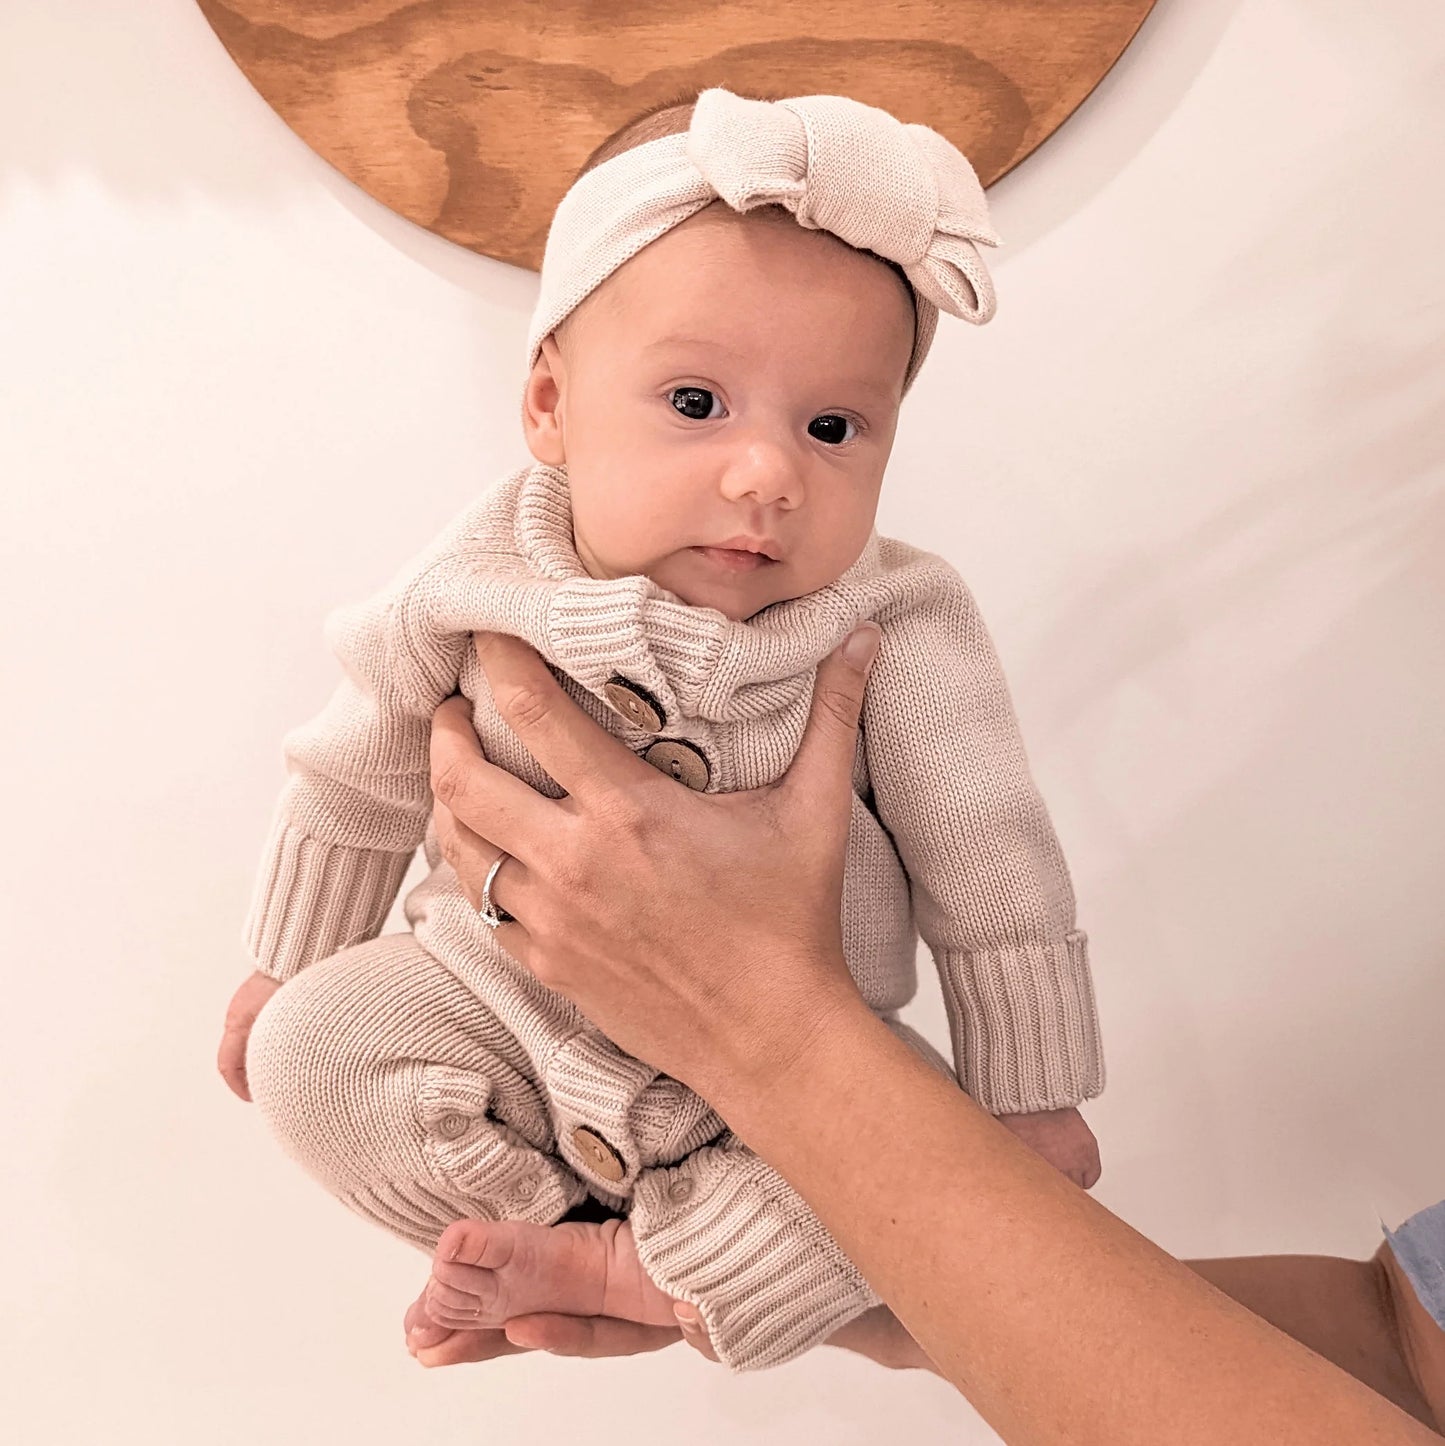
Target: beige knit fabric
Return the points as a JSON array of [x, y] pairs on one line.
[[404, 1095], [902, 191], [946, 827]]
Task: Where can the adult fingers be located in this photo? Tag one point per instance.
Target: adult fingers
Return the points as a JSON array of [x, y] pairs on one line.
[[465, 1347], [486, 799], [591, 1336], [573, 749], [472, 858], [469, 854], [823, 765]]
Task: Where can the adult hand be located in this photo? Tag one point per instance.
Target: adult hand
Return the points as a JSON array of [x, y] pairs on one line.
[[589, 1337], [701, 932]]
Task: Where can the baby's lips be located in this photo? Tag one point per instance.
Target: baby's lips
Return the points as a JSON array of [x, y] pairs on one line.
[[749, 542]]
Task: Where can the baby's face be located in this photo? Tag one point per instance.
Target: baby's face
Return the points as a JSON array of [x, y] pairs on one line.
[[725, 404]]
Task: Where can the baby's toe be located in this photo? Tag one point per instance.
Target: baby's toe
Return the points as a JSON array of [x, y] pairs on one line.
[[486, 1244], [458, 1309]]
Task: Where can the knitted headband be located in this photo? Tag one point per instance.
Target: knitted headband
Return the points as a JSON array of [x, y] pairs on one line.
[[902, 191]]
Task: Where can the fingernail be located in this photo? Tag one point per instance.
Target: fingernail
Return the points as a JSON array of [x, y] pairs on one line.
[[686, 1318], [861, 646]]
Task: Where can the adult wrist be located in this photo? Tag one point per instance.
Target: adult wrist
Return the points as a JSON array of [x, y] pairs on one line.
[[765, 1050]]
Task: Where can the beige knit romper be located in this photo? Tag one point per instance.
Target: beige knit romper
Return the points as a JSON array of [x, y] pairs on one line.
[[425, 1076]]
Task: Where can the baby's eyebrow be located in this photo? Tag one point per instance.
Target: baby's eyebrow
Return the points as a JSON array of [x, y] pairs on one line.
[[874, 391], [680, 340]]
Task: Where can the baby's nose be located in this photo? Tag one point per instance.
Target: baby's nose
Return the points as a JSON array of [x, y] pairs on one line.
[[767, 472]]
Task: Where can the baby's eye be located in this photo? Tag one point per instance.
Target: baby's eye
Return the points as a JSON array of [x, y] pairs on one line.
[[832, 428], [694, 402]]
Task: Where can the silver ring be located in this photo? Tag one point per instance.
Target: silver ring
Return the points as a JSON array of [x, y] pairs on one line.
[[489, 913]]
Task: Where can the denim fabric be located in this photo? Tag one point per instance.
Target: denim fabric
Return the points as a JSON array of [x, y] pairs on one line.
[[1419, 1246]]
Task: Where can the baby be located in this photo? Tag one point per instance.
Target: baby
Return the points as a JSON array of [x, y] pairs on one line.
[[735, 296]]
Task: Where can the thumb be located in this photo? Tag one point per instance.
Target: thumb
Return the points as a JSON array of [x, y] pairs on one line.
[[823, 765]]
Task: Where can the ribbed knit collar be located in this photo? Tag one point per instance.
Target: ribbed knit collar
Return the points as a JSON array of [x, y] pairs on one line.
[[697, 661]]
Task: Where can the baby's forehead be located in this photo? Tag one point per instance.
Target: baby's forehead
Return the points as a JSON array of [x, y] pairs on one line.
[[717, 277]]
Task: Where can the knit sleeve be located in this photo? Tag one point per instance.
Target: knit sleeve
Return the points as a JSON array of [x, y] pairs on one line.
[[991, 889], [357, 800]]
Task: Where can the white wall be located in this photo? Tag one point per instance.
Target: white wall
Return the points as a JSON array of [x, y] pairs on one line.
[[1193, 471]]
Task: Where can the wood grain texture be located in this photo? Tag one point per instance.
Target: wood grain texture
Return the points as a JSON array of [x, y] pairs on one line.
[[472, 118]]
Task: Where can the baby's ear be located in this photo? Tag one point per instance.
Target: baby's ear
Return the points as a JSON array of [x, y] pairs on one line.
[[542, 405]]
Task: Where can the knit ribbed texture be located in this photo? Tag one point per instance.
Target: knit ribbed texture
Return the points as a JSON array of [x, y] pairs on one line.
[[727, 1233], [902, 191], [1024, 1026], [946, 825], [314, 899], [646, 1117]]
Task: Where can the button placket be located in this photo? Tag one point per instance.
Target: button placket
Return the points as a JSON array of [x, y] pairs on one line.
[[684, 761], [634, 703], [600, 1157], [526, 1188]]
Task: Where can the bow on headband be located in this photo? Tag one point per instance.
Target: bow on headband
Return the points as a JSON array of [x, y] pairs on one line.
[[841, 166], [902, 191]]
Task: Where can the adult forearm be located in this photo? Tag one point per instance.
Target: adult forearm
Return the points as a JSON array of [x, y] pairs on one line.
[[1059, 1322], [1056, 1319]]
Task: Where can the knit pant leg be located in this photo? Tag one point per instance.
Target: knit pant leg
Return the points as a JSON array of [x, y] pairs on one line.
[[727, 1233], [397, 1089]]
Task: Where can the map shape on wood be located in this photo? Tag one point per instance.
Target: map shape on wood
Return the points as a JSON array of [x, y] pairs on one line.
[[472, 119]]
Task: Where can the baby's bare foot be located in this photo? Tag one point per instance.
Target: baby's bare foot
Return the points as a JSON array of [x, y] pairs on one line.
[[486, 1272]]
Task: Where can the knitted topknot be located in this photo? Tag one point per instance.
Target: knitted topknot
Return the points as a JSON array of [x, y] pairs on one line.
[[900, 191]]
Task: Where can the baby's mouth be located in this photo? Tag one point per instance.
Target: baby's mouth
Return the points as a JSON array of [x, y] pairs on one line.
[[740, 554]]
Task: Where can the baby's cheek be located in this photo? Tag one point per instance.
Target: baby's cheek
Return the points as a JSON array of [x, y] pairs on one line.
[[835, 546], [614, 545]]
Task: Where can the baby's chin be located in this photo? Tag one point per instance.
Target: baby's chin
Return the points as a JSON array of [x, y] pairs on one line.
[[734, 603], [705, 578]]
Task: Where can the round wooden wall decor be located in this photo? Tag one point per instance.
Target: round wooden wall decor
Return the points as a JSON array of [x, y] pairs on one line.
[[471, 117]]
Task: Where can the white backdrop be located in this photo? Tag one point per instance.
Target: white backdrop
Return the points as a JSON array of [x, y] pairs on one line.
[[1193, 472]]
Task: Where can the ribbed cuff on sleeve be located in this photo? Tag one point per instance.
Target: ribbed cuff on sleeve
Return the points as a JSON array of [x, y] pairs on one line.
[[313, 899], [726, 1233], [1024, 1024]]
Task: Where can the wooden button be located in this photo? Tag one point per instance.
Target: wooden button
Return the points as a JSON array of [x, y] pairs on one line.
[[635, 704], [598, 1154], [684, 761]]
